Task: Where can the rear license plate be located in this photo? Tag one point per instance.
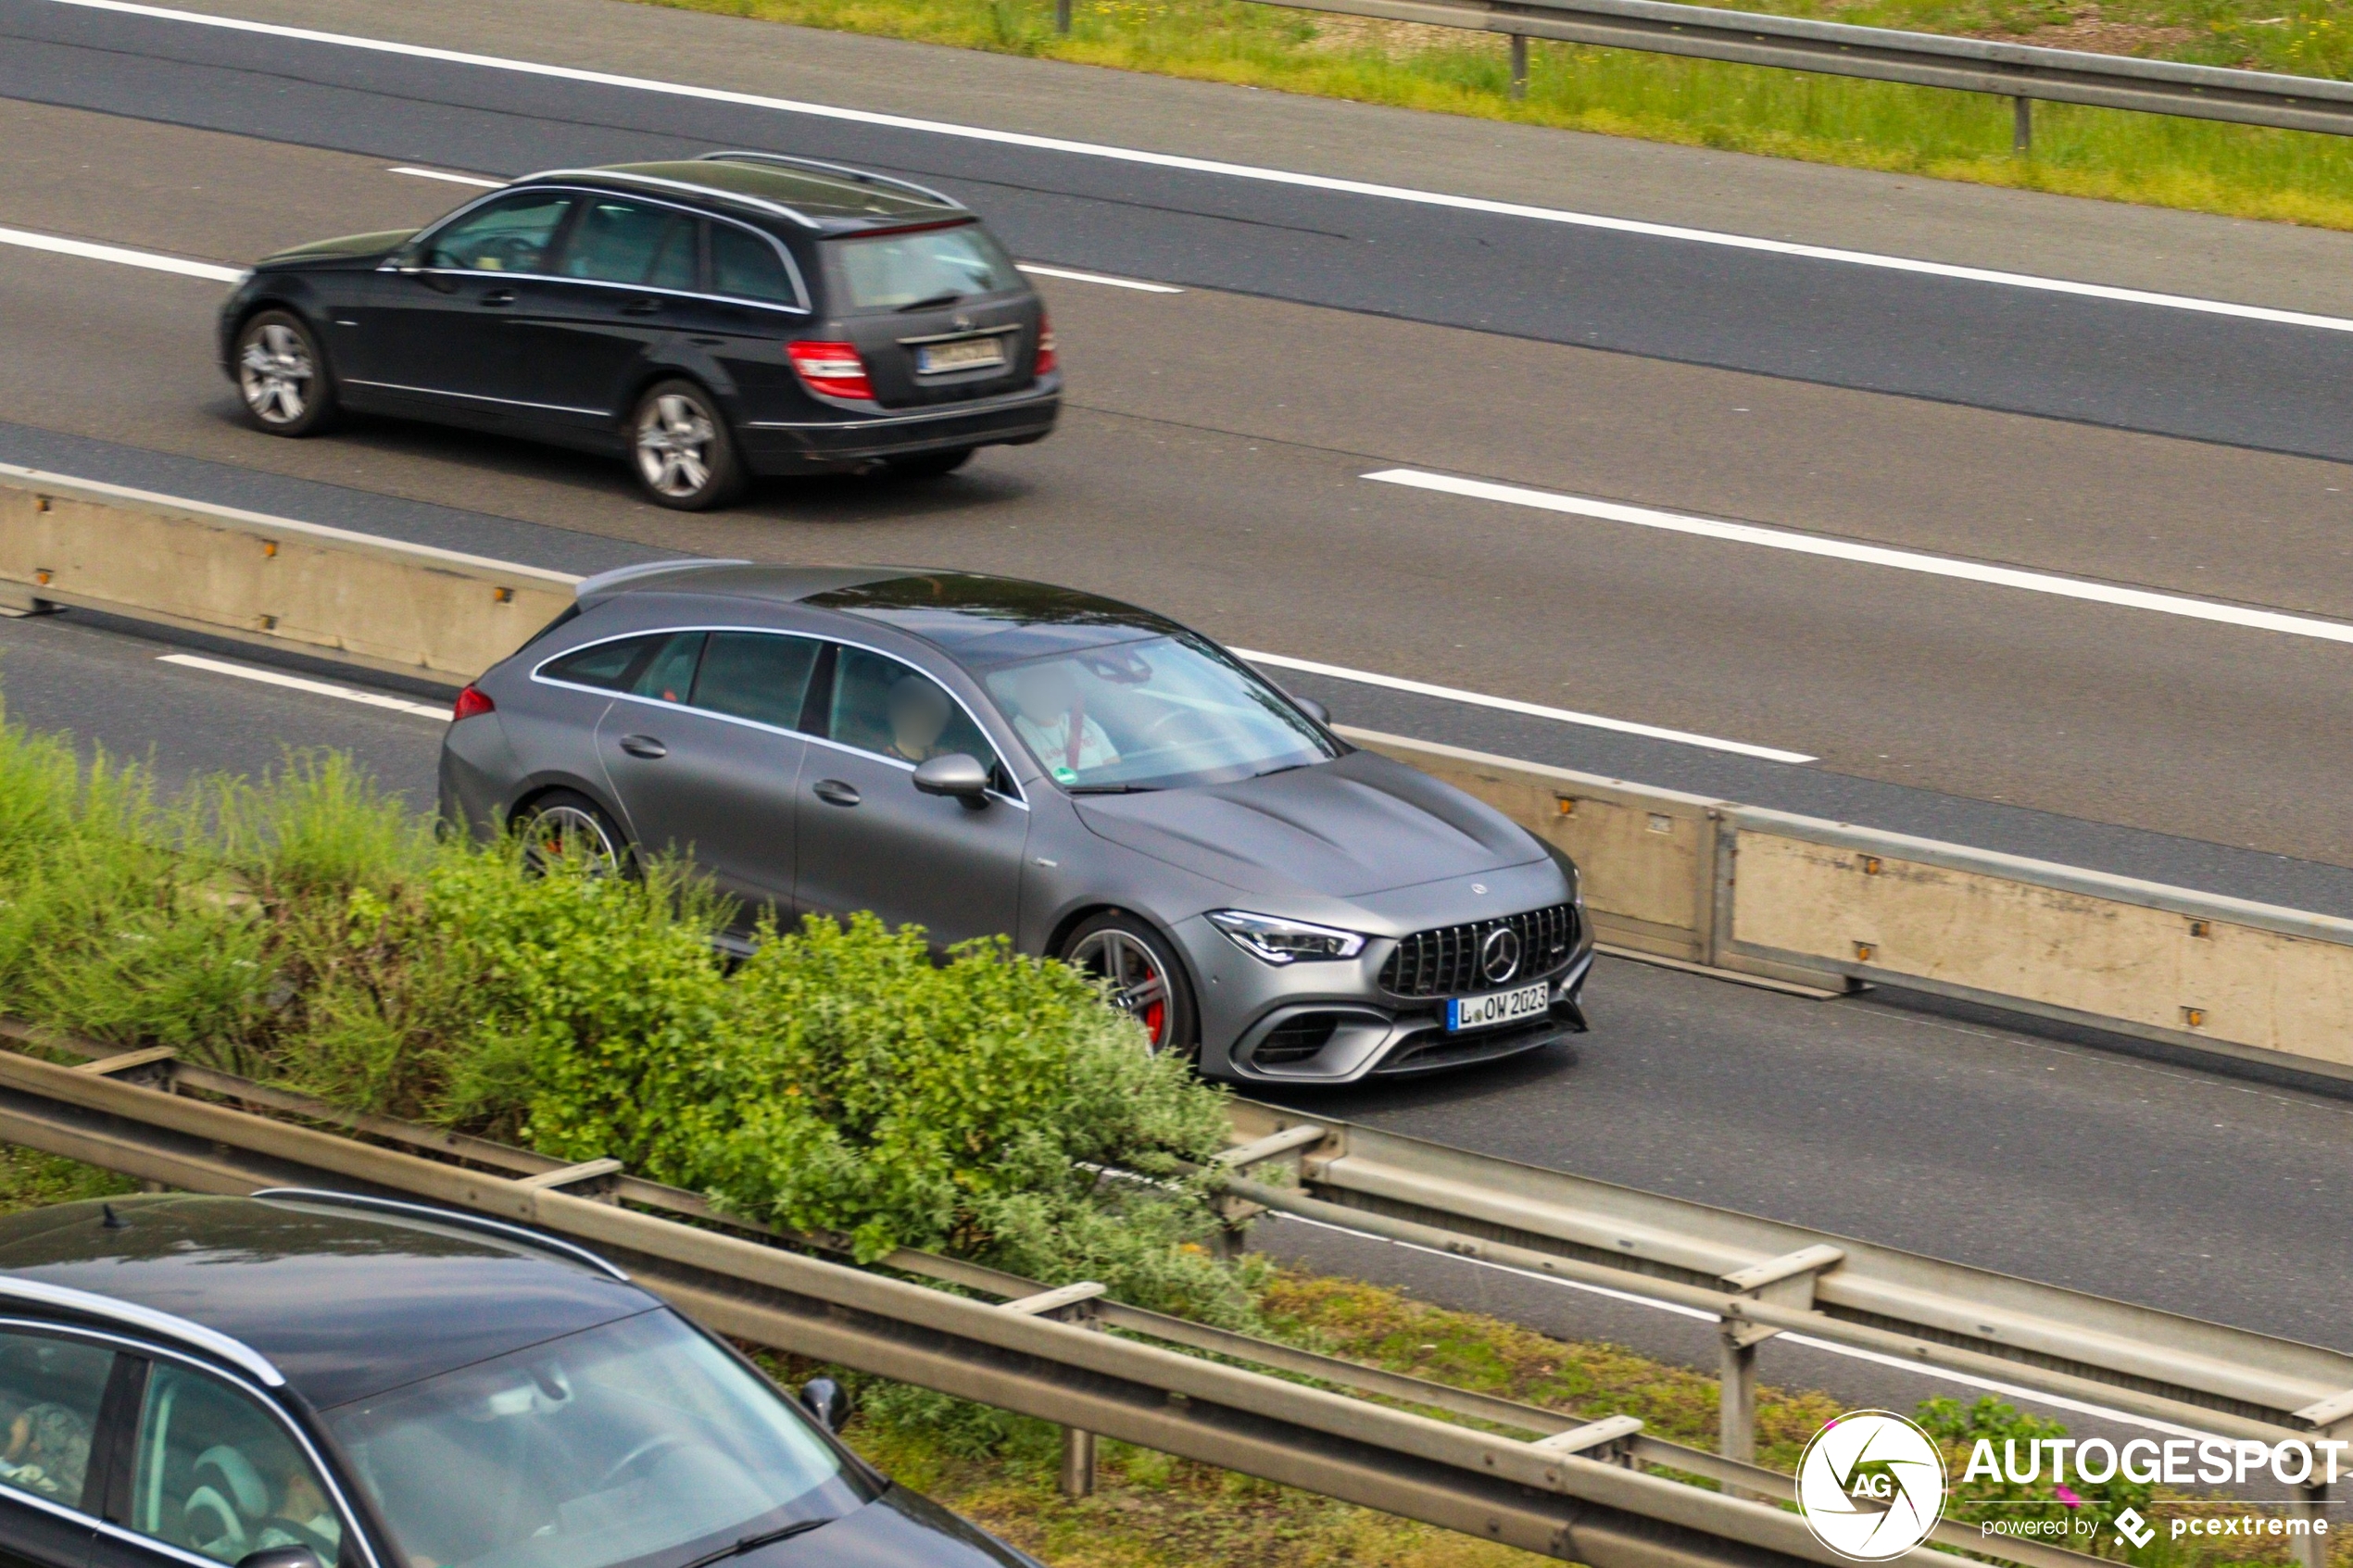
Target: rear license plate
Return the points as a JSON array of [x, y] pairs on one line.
[[970, 354], [1498, 1007]]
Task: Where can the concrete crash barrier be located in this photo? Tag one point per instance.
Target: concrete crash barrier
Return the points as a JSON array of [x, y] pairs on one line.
[[412, 610], [2162, 963], [1671, 876]]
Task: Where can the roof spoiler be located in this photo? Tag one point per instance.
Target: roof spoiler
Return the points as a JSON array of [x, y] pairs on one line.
[[605, 584]]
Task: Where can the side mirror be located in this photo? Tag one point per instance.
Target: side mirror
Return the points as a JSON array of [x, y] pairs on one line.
[[955, 775], [824, 1399], [280, 1557], [1315, 710]]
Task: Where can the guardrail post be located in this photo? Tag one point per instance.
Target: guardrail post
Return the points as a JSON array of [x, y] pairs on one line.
[[1519, 65], [2022, 126], [1067, 1303], [1736, 1404], [2311, 1551]]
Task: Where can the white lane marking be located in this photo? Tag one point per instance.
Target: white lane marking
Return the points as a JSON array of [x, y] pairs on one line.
[[1510, 705], [296, 682], [1676, 1308], [58, 245], [445, 175], [1104, 279], [1879, 555], [1240, 170]]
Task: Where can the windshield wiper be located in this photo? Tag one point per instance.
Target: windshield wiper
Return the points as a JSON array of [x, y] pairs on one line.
[[1286, 768], [933, 303], [753, 1542], [1113, 789]]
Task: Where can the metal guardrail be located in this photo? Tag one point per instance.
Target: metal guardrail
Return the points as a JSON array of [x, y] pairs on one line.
[[1569, 1493], [2020, 71], [1761, 1278]]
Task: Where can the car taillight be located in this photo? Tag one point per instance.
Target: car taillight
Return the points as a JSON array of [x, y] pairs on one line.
[[1047, 358], [832, 368], [472, 704]]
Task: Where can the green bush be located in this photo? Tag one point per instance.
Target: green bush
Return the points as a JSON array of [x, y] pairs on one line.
[[309, 931]]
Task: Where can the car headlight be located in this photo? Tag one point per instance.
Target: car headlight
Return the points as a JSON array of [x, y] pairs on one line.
[[1285, 941]]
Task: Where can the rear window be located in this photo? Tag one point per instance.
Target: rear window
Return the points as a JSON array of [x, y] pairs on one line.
[[891, 271]]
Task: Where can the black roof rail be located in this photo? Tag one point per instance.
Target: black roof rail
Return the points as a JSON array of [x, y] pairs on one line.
[[860, 176], [655, 181], [458, 1217]]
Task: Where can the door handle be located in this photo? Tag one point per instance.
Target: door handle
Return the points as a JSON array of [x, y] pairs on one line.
[[832, 792], [644, 745], [641, 307], [498, 296]]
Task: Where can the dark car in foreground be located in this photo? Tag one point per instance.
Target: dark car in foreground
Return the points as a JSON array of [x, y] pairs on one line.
[[980, 756], [313, 1380], [708, 318]]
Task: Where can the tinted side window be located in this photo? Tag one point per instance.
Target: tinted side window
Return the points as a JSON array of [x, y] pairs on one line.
[[623, 241], [49, 1394], [669, 674], [604, 664], [756, 675], [217, 1475], [660, 665], [882, 706], [747, 266], [510, 235]]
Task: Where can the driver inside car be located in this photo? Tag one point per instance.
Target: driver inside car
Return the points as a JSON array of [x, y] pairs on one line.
[[1052, 716], [918, 715]]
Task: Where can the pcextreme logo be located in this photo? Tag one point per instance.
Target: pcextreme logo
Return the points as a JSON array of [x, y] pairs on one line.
[[1871, 1485]]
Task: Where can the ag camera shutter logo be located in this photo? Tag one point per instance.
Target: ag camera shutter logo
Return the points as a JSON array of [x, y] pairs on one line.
[[1870, 1485]]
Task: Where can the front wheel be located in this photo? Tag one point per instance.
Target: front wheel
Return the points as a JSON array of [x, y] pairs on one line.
[[281, 374], [1141, 978], [683, 451]]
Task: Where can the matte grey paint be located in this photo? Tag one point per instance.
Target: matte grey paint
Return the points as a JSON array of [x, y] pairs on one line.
[[806, 824]]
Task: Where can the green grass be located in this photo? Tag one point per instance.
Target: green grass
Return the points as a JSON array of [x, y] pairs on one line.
[[2244, 171]]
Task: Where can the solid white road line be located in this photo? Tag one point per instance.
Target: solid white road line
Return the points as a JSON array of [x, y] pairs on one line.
[[1533, 709], [1992, 1386], [59, 246], [1104, 279], [296, 682], [444, 174], [1878, 555], [1238, 170]]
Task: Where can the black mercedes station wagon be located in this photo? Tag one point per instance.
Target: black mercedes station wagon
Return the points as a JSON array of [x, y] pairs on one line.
[[710, 320], [313, 1380]]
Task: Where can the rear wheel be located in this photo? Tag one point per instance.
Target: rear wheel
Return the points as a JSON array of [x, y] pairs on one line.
[[683, 452], [562, 824], [1141, 977], [281, 374], [928, 465]]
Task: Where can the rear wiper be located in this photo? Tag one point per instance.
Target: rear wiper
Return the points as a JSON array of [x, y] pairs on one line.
[[932, 304], [753, 1542], [1113, 789]]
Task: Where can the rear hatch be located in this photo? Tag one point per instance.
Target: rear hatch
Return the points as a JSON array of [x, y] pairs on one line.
[[936, 311]]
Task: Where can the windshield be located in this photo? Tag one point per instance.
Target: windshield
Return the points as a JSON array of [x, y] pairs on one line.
[[639, 1441], [1154, 714], [890, 271]]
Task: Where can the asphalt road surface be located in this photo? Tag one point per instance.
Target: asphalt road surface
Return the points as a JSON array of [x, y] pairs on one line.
[[1213, 464]]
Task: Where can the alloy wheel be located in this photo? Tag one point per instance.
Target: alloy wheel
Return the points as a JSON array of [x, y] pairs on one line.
[[1133, 977], [674, 441], [275, 372], [562, 833]]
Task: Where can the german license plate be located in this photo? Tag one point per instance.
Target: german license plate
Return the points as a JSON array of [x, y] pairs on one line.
[[1498, 1007], [970, 354]]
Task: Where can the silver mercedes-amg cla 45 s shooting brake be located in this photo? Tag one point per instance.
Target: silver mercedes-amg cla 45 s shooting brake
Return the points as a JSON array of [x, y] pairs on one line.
[[978, 755]]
